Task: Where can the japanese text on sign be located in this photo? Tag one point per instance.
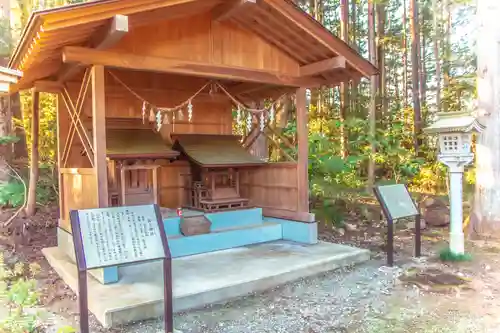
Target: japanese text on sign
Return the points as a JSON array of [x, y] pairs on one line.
[[120, 235]]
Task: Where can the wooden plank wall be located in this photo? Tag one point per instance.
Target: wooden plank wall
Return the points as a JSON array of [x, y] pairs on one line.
[[172, 184], [271, 186], [202, 40], [77, 191], [211, 115]]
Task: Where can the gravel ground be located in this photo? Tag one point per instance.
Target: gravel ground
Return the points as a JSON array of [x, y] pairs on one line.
[[365, 299]]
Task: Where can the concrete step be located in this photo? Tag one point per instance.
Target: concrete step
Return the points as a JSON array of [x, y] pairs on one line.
[[206, 278], [224, 238]]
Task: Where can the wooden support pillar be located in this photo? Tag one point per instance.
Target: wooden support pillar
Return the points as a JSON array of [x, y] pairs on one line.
[[303, 151], [60, 146], [34, 169], [99, 134]]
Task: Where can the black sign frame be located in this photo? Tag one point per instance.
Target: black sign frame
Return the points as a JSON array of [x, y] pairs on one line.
[[82, 272], [390, 225]]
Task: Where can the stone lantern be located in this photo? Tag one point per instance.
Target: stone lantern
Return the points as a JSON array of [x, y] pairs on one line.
[[455, 130]]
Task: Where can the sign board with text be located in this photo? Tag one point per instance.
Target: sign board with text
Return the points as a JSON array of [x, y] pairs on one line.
[[120, 235], [105, 237], [396, 203]]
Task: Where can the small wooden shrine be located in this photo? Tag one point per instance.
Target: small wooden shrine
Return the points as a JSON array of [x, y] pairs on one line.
[[215, 161], [132, 171]]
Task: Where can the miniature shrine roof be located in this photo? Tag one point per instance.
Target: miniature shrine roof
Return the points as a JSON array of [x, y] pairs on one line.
[[137, 144], [215, 150], [50, 34], [454, 122], [8, 76]]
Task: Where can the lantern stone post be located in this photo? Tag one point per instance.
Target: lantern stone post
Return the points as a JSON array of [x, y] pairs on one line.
[[454, 130]]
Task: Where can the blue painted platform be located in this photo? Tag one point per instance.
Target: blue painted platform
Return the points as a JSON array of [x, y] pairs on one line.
[[229, 230]]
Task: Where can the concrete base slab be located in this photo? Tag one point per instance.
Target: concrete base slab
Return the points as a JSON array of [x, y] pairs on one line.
[[204, 279]]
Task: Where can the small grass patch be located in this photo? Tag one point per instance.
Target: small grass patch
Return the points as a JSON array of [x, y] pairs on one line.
[[447, 255]]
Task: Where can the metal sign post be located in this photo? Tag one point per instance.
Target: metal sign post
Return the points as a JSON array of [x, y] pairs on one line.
[[397, 203], [106, 237]]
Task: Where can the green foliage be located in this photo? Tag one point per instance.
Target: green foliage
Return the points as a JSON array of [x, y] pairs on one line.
[[447, 255], [48, 125], [12, 193], [19, 294], [66, 329]]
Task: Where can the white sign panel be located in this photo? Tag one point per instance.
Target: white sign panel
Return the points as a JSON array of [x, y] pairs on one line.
[[120, 235]]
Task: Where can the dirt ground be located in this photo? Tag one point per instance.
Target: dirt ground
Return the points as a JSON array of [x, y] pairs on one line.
[[417, 296]]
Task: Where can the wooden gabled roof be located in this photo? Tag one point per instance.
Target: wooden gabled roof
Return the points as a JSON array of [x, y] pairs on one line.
[[212, 151], [279, 22]]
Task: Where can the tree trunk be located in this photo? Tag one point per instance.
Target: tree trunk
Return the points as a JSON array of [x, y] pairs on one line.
[[422, 67], [447, 56], [486, 218], [20, 147], [382, 100], [373, 92], [344, 91], [415, 41], [6, 149], [34, 169], [405, 54], [354, 44], [437, 53]]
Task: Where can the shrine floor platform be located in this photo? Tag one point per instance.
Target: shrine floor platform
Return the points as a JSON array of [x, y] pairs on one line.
[[204, 279]]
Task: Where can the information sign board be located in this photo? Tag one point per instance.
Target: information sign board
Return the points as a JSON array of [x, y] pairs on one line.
[[120, 235], [396, 203], [105, 237], [397, 200]]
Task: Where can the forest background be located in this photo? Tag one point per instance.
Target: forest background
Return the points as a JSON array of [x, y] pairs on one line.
[[359, 134]]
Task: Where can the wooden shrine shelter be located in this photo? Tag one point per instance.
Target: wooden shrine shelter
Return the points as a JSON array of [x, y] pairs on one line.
[[146, 93]]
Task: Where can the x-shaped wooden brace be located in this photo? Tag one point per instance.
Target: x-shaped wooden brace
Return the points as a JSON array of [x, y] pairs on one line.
[[76, 123]]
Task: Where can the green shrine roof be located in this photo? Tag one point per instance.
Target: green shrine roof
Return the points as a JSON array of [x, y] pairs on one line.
[[454, 122], [137, 143], [215, 150]]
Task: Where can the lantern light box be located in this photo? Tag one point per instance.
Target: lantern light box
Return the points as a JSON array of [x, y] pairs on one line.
[[455, 132]]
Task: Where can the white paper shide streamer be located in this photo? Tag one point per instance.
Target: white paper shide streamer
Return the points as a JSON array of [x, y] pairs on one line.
[[249, 122], [190, 111], [159, 120]]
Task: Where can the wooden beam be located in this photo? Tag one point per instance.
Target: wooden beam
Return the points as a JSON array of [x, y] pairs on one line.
[[303, 152], [230, 8], [247, 87], [99, 134], [323, 66], [47, 86], [112, 33], [109, 36], [86, 56]]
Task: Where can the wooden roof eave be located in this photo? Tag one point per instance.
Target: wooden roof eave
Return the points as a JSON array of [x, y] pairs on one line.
[[145, 156], [307, 23], [33, 25]]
